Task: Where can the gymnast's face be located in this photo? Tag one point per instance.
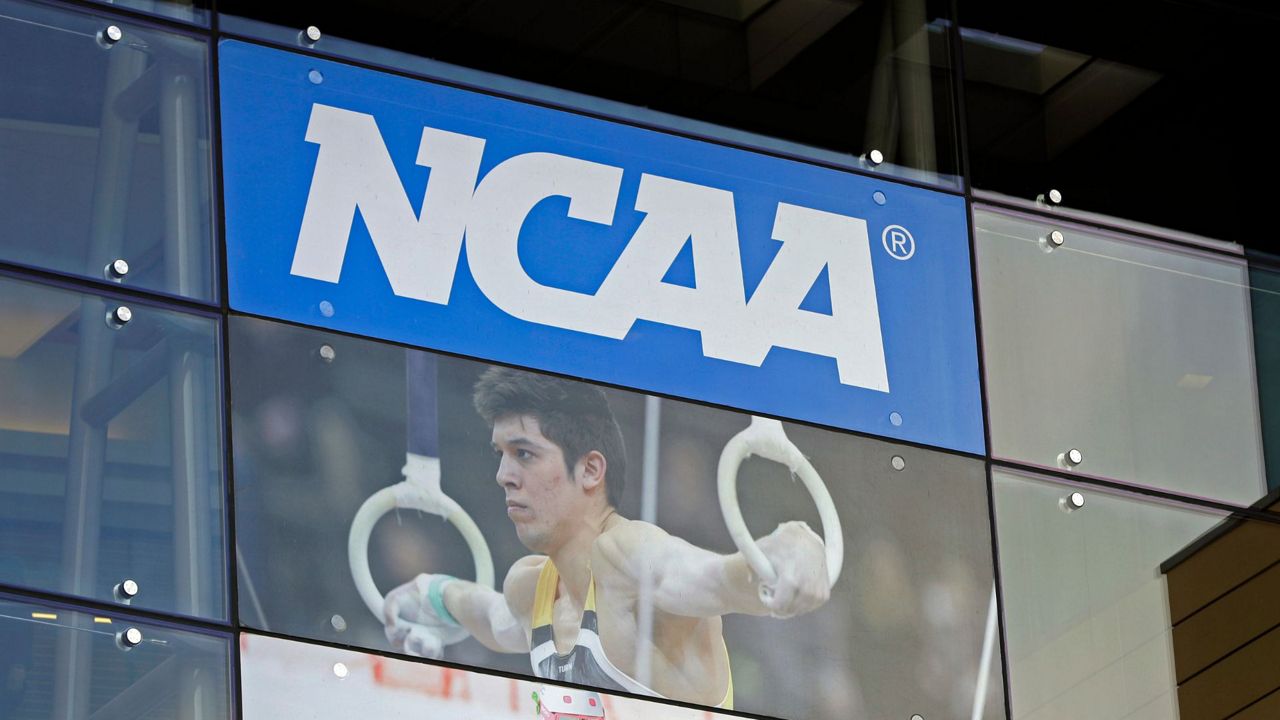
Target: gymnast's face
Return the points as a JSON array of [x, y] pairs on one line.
[[544, 500]]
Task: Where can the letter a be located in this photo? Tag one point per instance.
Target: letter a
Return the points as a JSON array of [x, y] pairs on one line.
[[811, 240], [676, 212]]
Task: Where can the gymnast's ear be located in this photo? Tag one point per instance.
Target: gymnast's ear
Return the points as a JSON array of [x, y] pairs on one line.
[[590, 470]]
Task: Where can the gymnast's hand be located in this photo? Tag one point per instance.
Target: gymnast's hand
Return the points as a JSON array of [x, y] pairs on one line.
[[416, 620], [799, 560]]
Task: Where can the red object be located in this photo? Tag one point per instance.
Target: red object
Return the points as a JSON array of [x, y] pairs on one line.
[[565, 704]]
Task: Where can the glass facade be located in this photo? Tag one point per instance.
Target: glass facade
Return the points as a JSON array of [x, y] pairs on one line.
[[212, 514], [113, 453], [1138, 354], [108, 163], [59, 662], [1130, 607]]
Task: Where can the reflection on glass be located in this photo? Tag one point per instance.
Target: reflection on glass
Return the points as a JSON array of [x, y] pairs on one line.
[[1138, 355], [1128, 608], [58, 663], [828, 80], [322, 423], [110, 450], [191, 11], [104, 150]]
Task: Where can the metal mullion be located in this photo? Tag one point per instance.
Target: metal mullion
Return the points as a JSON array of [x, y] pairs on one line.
[[231, 555]]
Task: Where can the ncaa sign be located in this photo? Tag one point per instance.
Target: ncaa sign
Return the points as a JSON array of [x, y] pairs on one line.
[[457, 221]]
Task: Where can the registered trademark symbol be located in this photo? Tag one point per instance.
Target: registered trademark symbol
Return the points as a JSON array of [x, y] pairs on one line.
[[898, 242]]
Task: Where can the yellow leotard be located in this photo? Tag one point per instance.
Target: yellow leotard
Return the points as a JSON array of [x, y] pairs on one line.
[[585, 663]]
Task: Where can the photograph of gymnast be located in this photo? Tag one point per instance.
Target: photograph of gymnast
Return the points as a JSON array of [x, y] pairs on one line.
[[574, 604], [604, 538]]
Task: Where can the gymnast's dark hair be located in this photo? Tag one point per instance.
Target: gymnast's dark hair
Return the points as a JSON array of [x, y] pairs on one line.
[[573, 415]]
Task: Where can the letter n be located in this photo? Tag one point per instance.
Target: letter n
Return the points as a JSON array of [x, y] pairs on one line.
[[419, 254]]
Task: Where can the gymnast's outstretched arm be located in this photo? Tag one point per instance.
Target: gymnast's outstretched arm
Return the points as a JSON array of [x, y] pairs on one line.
[[488, 615], [691, 581]]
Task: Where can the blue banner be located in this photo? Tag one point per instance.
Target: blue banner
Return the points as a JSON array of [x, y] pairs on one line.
[[453, 220]]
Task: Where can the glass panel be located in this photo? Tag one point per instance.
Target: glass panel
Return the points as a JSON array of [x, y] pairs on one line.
[[190, 11], [283, 678], [880, 339], [110, 450], [321, 424], [58, 663], [104, 150], [1154, 114], [1122, 607], [826, 80], [1265, 301], [1136, 354]]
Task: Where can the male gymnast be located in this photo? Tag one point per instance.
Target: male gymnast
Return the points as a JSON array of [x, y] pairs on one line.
[[574, 606]]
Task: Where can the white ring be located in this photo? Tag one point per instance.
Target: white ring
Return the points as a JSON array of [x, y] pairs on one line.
[[405, 495], [767, 439]]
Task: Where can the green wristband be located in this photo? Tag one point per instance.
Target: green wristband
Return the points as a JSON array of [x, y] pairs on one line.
[[435, 595]]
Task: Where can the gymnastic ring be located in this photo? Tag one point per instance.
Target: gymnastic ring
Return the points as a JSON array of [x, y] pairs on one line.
[[766, 438], [406, 495]]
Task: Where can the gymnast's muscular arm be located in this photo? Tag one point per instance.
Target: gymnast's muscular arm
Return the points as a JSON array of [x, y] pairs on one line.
[[499, 620], [694, 582]]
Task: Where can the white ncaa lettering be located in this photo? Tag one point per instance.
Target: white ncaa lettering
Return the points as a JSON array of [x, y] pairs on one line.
[[813, 239], [354, 170], [676, 212], [420, 254], [498, 210]]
